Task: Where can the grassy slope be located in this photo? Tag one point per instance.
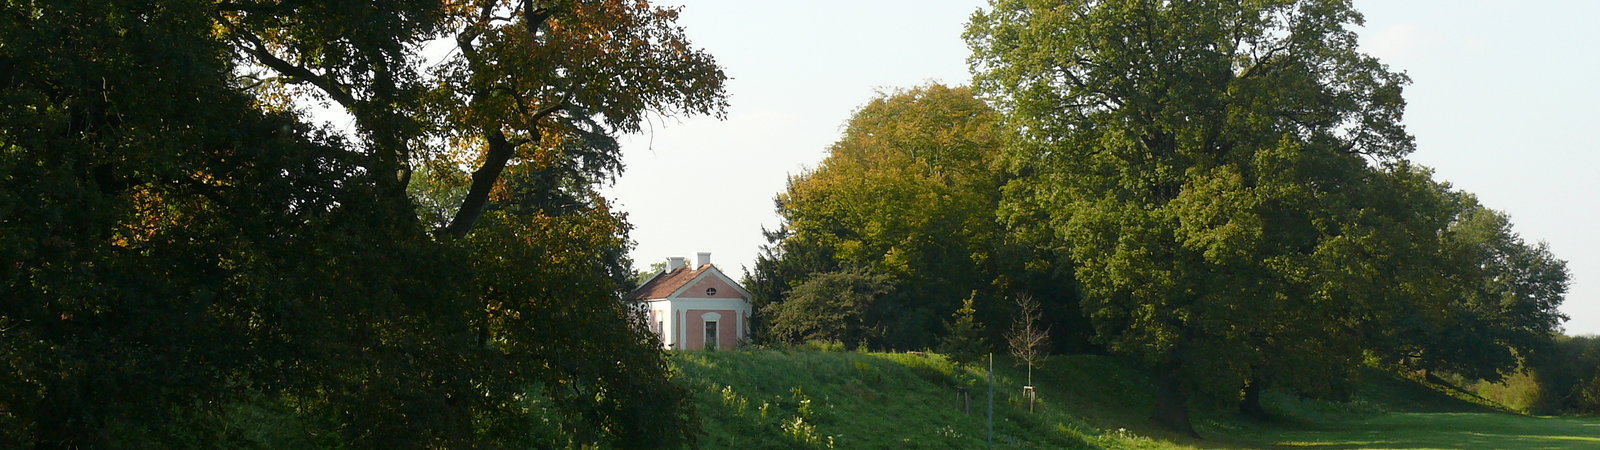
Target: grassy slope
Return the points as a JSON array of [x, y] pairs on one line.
[[788, 399]]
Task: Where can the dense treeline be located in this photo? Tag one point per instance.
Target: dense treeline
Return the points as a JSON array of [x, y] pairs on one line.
[[186, 261], [1216, 190], [1563, 380], [1568, 378], [906, 199]]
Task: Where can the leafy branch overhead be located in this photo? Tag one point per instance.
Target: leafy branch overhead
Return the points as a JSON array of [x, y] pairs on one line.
[[541, 84]]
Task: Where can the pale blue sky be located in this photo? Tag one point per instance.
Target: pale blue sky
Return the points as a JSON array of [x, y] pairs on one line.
[[1502, 104]]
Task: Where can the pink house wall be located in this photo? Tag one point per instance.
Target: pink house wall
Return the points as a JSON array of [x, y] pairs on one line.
[[727, 328]]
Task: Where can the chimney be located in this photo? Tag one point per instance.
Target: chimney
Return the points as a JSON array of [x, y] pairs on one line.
[[702, 259], [675, 263]]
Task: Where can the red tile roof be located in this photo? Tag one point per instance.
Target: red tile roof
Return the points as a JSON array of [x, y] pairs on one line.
[[665, 284]]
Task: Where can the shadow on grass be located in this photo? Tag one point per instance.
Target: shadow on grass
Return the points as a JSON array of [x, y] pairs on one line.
[[1467, 430]]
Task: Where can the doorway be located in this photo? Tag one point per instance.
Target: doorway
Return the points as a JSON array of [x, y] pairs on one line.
[[711, 335]]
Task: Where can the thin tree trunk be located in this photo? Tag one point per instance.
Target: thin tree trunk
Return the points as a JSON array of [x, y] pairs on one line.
[[1250, 401], [1172, 405]]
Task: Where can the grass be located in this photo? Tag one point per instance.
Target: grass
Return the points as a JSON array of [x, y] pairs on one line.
[[1489, 430], [817, 399], [1390, 412], [788, 399]]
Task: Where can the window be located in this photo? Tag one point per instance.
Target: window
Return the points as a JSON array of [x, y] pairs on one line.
[[711, 335], [711, 291]]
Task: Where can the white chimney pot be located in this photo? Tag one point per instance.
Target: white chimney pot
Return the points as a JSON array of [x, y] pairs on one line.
[[702, 259]]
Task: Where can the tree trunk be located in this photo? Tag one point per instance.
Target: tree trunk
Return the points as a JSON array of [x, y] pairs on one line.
[[1250, 401], [1172, 405], [483, 181]]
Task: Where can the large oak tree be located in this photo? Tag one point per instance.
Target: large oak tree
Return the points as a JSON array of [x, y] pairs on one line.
[[1199, 160]]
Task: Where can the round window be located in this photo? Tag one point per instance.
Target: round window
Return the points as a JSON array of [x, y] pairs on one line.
[[711, 291]]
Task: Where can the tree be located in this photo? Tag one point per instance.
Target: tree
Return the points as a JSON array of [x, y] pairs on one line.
[[1028, 339], [1568, 376], [909, 191], [545, 84], [1364, 283], [1502, 297], [779, 267], [844, 306], [964, 341], [524, 286], [157, 170], [906, 192], [1192, 158], [145, 204], [640, 278]]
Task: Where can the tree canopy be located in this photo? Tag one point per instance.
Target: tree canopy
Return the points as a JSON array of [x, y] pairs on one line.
[[186, 248], [1501, 298], [842, 306], [1228, 178], [909, 191]]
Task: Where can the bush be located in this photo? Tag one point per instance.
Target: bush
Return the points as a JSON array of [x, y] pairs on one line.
[[1564, 380], [830, 306], [1570, 376]]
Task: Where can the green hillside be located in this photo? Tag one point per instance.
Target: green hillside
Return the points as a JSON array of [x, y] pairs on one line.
[[808, 398]]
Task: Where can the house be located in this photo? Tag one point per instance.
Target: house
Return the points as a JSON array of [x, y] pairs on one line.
[[693, 308]]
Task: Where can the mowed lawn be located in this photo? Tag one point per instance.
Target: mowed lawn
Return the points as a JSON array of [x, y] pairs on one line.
[[1465, 430]]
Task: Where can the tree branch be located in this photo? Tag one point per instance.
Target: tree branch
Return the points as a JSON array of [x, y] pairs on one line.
[[483, 180], [298, 72], [501, 149]]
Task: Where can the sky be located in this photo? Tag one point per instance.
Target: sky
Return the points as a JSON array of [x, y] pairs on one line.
[[1502, 97]]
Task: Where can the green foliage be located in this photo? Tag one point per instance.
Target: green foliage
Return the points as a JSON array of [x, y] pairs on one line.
[[964, 338], [1228, 179], [1568, 377], [838, 306], [531, 266], [1520, 391], [184, 252], [170, 249], [1503, 298], [910, 191], [779, 267], [640, 278]]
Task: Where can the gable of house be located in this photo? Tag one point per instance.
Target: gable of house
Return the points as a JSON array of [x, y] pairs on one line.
[[703, 282], [711, 283]]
